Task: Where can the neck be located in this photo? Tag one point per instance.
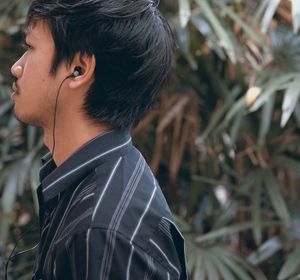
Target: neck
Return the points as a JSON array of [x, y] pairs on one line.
[[69, 136]]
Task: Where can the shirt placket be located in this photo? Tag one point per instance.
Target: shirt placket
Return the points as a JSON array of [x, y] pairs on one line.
[[45, 215]]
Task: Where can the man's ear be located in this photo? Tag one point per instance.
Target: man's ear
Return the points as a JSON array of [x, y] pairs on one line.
[[87, 64]]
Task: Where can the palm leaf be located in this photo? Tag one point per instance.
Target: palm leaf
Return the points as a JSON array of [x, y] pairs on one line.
[[266, 120], [289, 102], [296, 15], [291, 265], [184, 12], [221, 32], [269, 13], [267, 249], [256, 208], [276, 198]]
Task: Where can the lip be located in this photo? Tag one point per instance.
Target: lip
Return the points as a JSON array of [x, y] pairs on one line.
[[15, 88], [13, 95]]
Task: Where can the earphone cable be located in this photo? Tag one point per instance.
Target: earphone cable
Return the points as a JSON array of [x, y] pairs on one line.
[[12, 257], [55, 111]]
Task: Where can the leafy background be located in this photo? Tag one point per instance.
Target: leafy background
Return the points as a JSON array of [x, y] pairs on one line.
[[223, 139]]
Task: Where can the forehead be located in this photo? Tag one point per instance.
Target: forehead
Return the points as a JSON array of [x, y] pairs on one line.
[[37, 31]]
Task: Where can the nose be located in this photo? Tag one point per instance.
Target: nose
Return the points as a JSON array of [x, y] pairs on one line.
[[17, 70]]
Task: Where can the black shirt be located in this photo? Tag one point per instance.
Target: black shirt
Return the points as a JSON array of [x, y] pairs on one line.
[[103, 216]]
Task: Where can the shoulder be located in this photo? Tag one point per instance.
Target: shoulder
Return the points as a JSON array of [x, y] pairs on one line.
[[121, 195], [127, 189], [126, 209]]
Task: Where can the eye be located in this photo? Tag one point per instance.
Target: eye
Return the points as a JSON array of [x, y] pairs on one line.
[[26, 46]]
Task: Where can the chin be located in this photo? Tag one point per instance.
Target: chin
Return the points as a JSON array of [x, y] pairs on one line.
[[27, 119]]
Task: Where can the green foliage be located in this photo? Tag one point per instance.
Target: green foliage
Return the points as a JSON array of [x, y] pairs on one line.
[[246, 140]]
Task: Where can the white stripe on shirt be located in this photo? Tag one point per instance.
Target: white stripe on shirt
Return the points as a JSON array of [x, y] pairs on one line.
[[87, 162]]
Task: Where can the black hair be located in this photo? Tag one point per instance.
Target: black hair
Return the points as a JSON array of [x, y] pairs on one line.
[[133, 46]]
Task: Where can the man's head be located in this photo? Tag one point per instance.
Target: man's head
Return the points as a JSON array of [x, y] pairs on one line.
[[124, 47]]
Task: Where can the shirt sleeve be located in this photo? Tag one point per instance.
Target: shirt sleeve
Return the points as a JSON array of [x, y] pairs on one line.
[[108, 255]]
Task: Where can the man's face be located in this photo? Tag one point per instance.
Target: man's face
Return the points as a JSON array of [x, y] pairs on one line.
[[34, 90]]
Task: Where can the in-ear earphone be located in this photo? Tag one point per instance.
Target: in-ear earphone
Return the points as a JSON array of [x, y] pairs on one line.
[[77, 71]]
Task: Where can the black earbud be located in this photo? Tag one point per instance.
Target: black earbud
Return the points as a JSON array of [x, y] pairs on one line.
[[77, 72]]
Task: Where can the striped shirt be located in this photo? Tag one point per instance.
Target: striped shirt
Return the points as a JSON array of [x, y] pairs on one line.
[[104, 216]]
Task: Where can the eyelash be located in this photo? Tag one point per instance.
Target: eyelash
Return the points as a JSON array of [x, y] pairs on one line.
[[26, 46]]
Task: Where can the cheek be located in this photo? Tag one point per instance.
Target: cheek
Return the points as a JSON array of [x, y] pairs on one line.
[[36, 85], [35, 79], [37, 63]]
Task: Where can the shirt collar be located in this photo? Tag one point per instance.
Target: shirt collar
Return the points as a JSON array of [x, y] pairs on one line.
[[55, 179]]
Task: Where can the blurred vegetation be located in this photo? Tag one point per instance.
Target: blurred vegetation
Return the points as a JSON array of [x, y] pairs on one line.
[[223, 139]]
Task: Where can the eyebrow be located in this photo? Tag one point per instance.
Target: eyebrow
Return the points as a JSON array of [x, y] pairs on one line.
[[25, 32]]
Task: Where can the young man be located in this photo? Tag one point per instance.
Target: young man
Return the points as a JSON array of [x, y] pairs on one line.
[[91, 70]]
